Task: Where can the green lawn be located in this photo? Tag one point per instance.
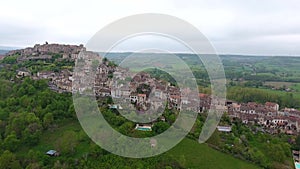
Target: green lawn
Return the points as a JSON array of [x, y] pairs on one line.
[[296, 87], [201, 156]]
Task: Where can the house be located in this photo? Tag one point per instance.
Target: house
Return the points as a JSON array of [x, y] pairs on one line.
[[236, 107], [103, 92], [158, 93], [261, 120], [185, 100], [229, 102], [119, 75], [141, 98], [74, 56], [52, 153], [205, 102], [156, 103], [125, 91], [66, 56], [249, 118], [115, 106], [162, 118], [224, 128], [23, 73], [279, 121], [103, 69], [273, 106], [115, 93], [133, 97], [296, 155], [141, 77], [175, 101], [40, 57], [46, 75], [174, 98]]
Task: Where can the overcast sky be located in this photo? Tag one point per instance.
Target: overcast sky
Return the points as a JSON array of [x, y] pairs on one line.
[[263, 27]]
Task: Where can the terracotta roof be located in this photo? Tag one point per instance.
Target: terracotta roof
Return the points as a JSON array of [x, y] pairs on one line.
[[202, 95], [142, 95], [270, 104], [175, 96]]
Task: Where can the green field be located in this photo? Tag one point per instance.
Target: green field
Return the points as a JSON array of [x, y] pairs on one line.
[[281, 93], [280, 84], [203, 157], [296, 87]]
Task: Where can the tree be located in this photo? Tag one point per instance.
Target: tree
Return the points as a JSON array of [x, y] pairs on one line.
[[2, 127], [31, 90], [67, 142], [10, 59], [21, 92], [11, 142], [171, 118], [297, 146], [276, 152], [257, 157], [182, 160], [126, 128], [160, 127], [8, 161], [33, 156], [31, 134], [48, 120], [104, 60], [214, 139]]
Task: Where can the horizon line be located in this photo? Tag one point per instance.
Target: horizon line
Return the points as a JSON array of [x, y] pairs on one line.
[[9, 48]]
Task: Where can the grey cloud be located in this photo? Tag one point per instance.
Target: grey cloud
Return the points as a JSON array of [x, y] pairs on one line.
[[257, 27]]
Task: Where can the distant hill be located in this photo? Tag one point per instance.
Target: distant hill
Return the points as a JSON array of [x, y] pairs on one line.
[[5, 49], [2, 52], [9, 48]]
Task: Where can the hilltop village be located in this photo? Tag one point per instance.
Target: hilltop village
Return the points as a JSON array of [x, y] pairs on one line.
[[144, 91]]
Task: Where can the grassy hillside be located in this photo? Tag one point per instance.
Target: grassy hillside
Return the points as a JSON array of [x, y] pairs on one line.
[[189, 153], [203, 157]]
